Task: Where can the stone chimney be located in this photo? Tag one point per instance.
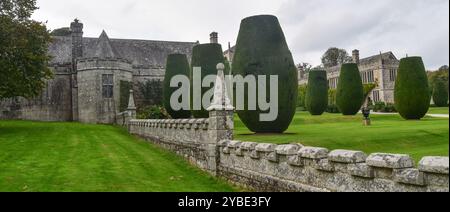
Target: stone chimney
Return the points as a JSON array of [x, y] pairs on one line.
[[355, 56], [214, 37], [76, 27]]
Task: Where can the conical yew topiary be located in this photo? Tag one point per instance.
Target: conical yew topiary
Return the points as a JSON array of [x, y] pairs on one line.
[[261, 49], [412, 92], [206, 56], [317, 92], [440, 93], [350, 91], [176, 64]]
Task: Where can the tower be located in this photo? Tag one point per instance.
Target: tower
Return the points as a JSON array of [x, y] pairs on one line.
[[76, 27]]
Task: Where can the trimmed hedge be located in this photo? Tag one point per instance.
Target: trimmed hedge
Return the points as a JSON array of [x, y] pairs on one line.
[[206, 56], [349, 93], [125, 88], [261, 49], [176, 64], [440, 93], [412, 92], [317, 92]]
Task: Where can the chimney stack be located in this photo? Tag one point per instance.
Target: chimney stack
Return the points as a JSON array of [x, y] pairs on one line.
[[355, 56], [214, 37]]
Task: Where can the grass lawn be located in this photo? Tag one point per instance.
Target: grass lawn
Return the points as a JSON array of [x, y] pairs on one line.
[[38, 156], [438, 110], [389, 133]]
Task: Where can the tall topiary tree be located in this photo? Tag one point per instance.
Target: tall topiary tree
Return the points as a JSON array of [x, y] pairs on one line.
[[206, 56], [412, 93], [261, 49], [176, 64], [317, 93], [440, 93], [349, 92]]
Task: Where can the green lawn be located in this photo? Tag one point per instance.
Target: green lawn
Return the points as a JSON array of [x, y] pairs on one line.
[[438, 110], [38, 156], [389, 133]]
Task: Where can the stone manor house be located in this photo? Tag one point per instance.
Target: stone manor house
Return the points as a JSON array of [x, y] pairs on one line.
[[380, 69], [88, 73]]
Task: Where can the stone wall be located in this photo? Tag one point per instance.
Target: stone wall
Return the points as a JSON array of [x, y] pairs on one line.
[[92, 106], [270, 167], [207, 143], [194, 139], [53, 104]]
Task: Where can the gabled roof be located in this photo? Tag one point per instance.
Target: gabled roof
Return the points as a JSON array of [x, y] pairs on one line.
[[104, 49], [145, 53], [376, 58]]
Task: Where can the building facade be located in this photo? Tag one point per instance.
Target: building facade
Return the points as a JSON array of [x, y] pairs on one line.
[[379, 69], [88, 74]]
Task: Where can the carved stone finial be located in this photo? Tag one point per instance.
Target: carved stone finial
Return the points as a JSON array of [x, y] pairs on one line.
[[221, 101]]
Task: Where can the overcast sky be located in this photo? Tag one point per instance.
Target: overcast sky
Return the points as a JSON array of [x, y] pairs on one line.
[[413, 27]]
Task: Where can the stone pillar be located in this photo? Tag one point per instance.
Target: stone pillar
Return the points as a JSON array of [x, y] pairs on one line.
[[221, 122]]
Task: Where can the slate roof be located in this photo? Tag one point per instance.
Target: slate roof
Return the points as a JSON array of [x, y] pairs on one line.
[[145, 53], [376, 58]]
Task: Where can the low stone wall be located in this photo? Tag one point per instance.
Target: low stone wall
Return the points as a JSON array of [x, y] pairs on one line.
[[293, 167], [270, 167], [194, 139]]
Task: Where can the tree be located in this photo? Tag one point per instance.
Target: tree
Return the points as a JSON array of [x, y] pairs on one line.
[[206, 56], [266, 54], [317, 92], [176, 64], [306, 67], [350, 91], [335, 56], [23, 50], [444, 68], [65, 31], [412, 92], [440, 93]]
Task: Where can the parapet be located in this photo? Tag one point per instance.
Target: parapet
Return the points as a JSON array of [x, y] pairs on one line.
[[295, 167], [88, 64]]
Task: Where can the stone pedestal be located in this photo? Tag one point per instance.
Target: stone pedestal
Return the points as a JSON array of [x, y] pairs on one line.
[[367, 122]]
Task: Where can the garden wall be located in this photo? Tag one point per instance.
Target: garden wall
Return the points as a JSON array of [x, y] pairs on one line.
[[208, 144]]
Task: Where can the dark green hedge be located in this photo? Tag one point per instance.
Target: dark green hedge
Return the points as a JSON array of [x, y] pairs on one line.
[[206, 56], [261, 49], [125, 88], [317, 93], [440, 93], [349, 93], [412, 93], [176, 64]]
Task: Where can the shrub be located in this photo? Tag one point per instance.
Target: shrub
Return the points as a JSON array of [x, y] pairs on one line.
[[301, 96], [125, 88], [177, 64], [412, 93], [152, 112], [206, 56], [331, 96], [440, 93], [261, 49], [317, 93], [349, 94]]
